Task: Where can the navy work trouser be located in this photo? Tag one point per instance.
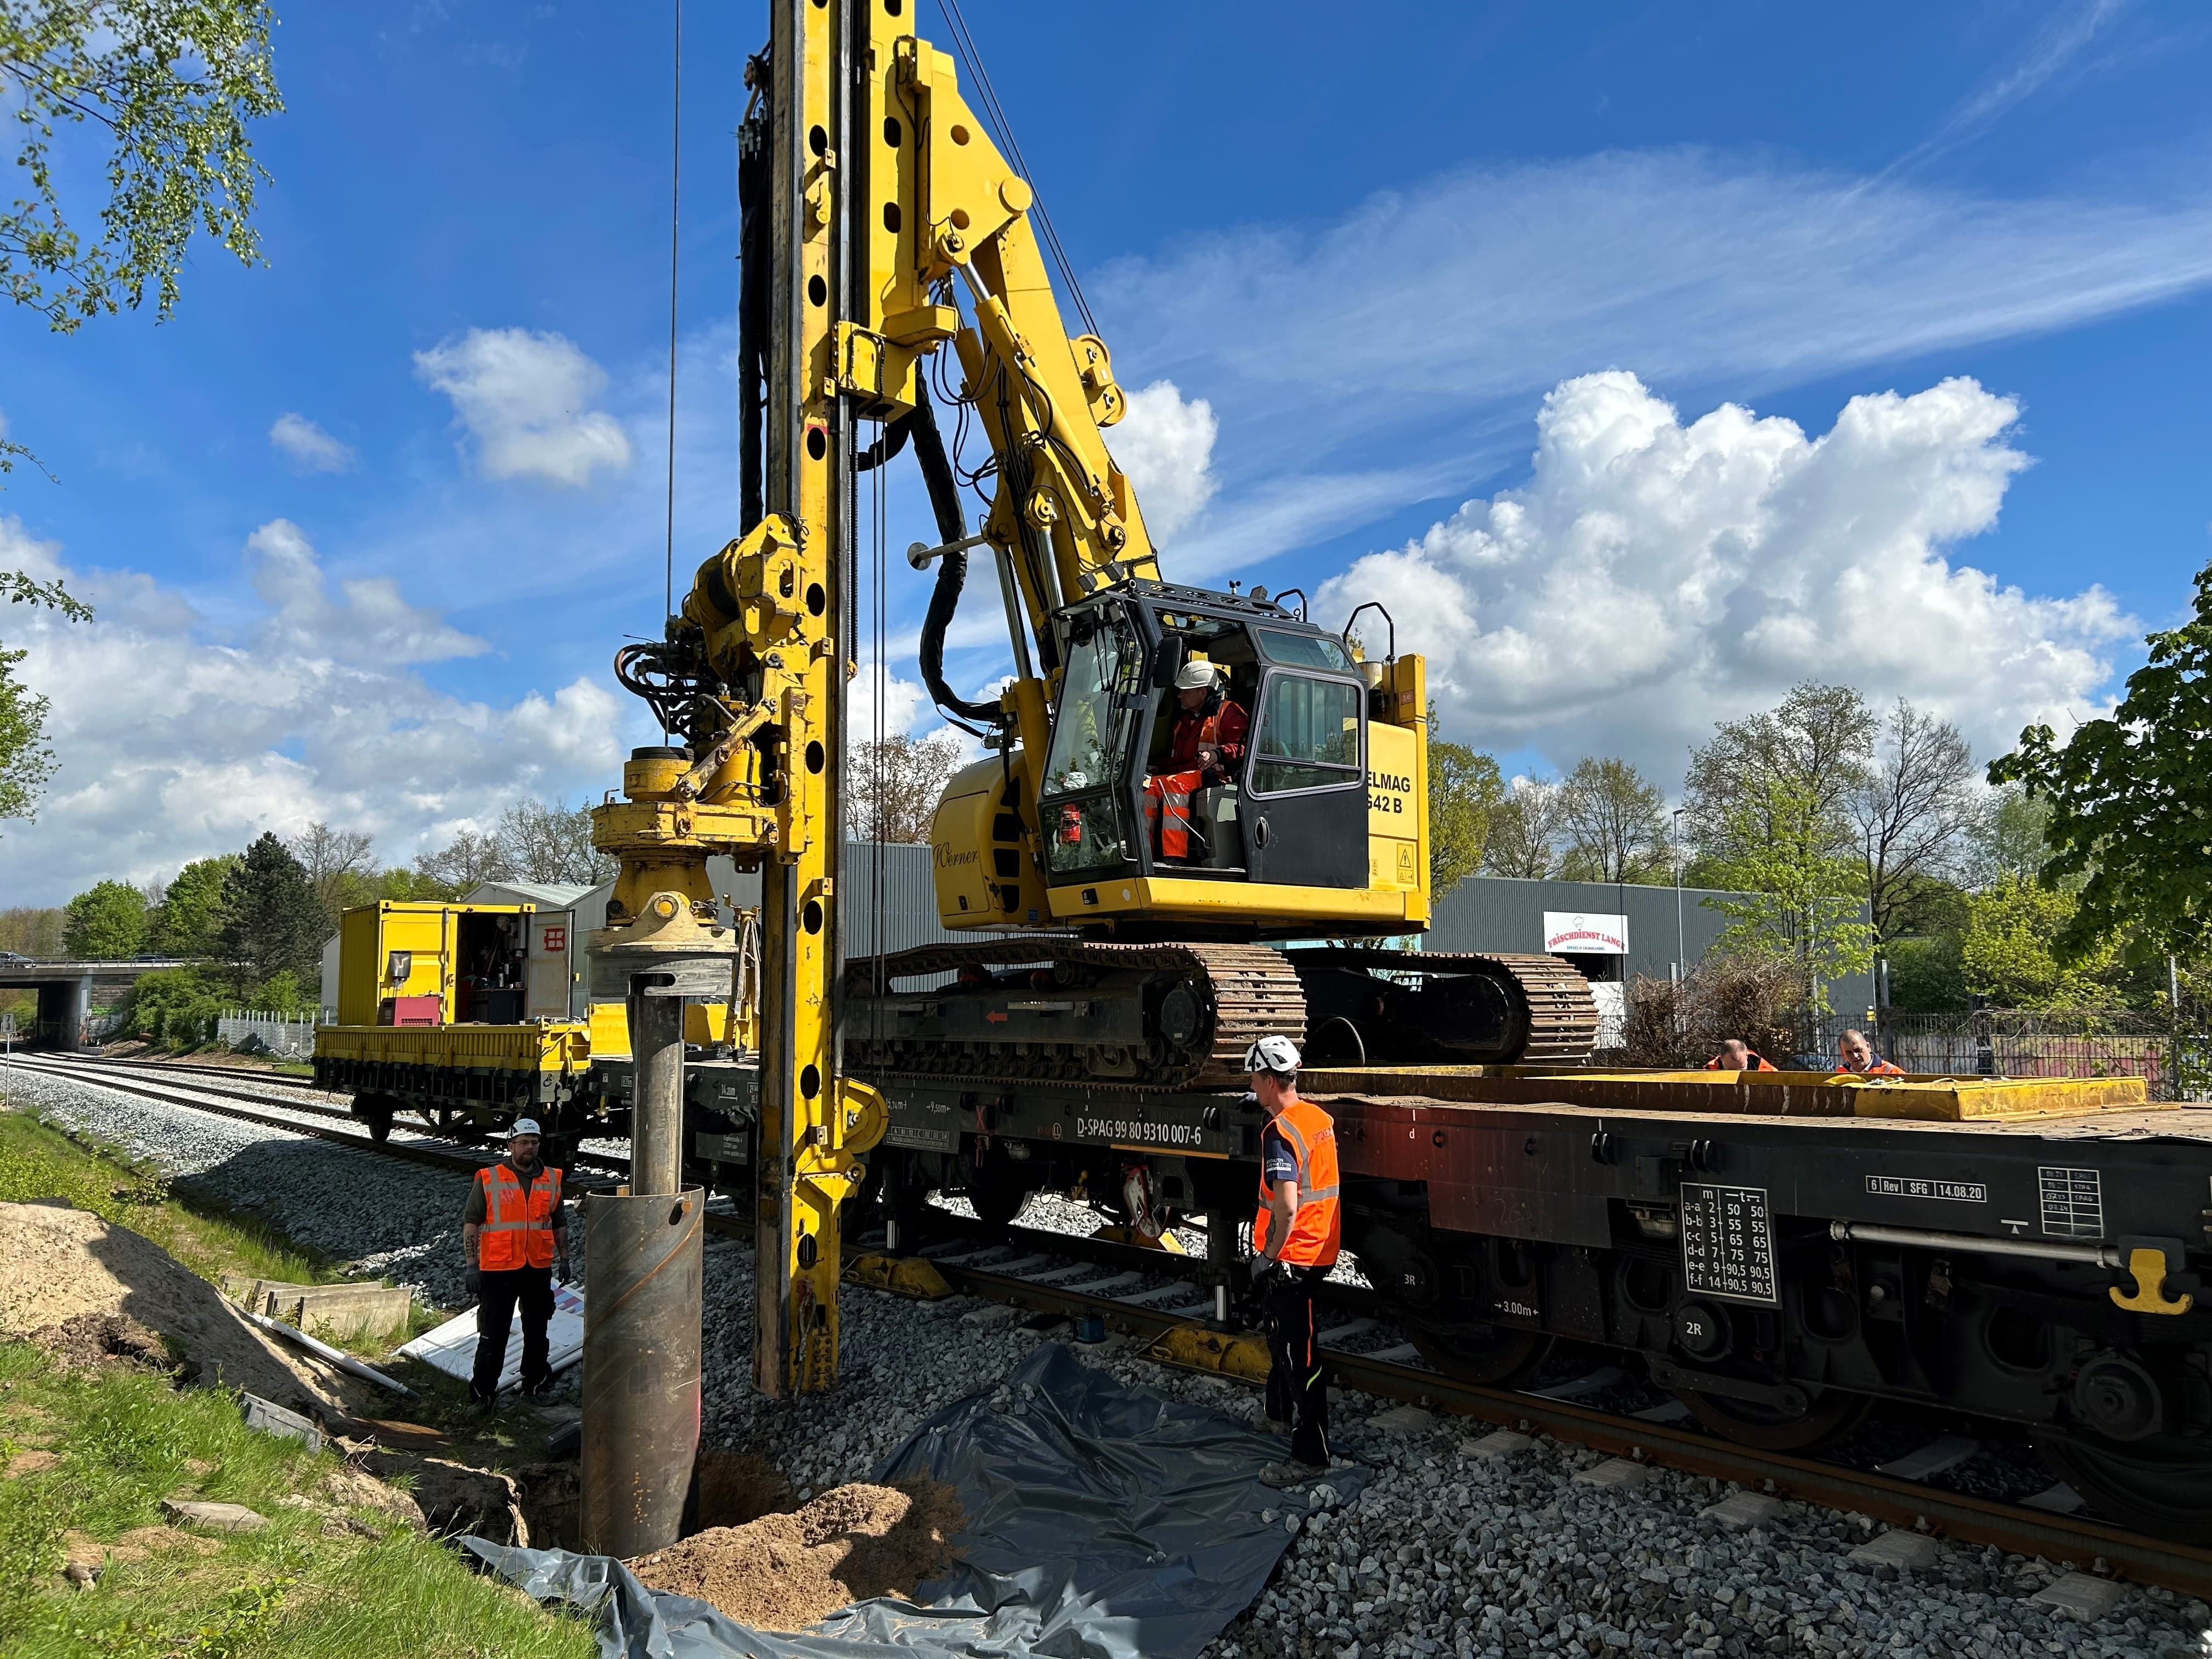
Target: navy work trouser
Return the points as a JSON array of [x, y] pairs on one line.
[[1297, 1394], [532, 1289]]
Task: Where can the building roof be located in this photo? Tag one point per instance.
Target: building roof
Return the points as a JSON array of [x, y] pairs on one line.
[[552, 895]]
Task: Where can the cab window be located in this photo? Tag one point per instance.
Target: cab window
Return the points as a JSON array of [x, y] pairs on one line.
[[1309, 735], [1304, 650]]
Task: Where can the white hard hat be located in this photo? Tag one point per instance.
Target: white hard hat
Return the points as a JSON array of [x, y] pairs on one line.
[[1272, 1052], [523, 1126], [1196, 675]]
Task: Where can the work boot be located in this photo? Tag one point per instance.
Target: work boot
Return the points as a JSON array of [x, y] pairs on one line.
[[1291, 1473]]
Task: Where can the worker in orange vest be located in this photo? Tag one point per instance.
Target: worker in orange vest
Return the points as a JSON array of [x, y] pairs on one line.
[[1210, 728], [1735, 1055], [1854, 1054], [515, 1235], [1295, 1236]]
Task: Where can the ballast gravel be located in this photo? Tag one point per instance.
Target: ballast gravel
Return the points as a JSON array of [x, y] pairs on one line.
[[1448, 1552]]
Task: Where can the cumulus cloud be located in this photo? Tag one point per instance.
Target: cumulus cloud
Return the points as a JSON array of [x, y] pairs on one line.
[[524, 400], [310, 447], [177, 741], [1164, 442], [1653, 576]]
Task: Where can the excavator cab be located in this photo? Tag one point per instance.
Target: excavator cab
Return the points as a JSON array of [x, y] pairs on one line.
[[1253, 846]]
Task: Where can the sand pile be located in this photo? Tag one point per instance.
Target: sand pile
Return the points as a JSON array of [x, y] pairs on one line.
[[787, 1572], [68, 1277]]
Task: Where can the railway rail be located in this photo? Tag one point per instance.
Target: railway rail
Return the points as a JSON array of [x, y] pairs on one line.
[[167, 1068], [1138, 1292], [307, 1118]]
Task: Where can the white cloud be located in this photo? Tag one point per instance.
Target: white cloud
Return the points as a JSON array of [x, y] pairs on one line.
[[312, 449], [1653, 577], [1164, 442], [1394, 354], [2060, 41], [176, 743], [525, 399]]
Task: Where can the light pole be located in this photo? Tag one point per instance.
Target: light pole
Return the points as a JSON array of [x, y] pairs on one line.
[[1681, 950]]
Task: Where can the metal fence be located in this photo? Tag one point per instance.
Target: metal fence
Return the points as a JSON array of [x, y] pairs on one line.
[[2174, 1056], [290, 1035]]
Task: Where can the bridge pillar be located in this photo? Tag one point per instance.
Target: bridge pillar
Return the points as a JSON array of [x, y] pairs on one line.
[[64, 1006]]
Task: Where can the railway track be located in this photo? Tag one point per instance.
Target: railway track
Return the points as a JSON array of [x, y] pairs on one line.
[[1036, 1271], [1140, 1293], [308, 1118], [165, 1067]]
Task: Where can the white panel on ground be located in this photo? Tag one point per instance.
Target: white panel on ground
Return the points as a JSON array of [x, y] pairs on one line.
[[451, 1348]]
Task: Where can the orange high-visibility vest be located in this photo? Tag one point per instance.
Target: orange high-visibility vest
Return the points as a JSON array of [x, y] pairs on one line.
[[518, 1224], [1876, 1067], [1167, 811], [1316, 1229]]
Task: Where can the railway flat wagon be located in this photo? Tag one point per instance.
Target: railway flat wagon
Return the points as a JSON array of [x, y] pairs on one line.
[[459, 1015], [1779, 1250]]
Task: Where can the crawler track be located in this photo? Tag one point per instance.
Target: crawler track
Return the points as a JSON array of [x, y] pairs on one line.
[[1240, 992]]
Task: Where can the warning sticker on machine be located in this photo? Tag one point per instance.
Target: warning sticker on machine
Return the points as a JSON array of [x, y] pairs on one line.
[[1728, 1242], [1958, 1192], [1124, 1131]]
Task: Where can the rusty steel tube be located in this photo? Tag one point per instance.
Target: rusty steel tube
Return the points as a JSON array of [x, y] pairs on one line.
[[656, 1122], [642, 1300]]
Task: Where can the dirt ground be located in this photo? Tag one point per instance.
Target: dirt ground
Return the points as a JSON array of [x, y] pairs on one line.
[[787, 1572], [79, 1284]]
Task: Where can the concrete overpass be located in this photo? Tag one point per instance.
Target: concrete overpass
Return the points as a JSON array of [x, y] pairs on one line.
[[70, 990]]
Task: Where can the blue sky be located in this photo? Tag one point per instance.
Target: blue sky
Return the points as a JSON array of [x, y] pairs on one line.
[[1394, 258]]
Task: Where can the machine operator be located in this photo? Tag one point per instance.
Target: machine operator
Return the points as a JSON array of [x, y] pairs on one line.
[[1209, 729], [1294, 1244], [514, 1237]]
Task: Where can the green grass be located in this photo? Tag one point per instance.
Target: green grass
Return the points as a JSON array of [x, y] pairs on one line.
[[125, 1440]]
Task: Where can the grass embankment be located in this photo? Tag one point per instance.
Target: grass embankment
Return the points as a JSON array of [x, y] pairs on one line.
[[85, 1460], [88, 1459]]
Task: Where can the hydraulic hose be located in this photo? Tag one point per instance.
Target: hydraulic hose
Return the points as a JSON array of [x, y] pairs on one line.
[[753, 279], [952, 567]]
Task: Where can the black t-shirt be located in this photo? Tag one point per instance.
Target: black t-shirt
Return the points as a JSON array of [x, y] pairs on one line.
[[1277, 1162]]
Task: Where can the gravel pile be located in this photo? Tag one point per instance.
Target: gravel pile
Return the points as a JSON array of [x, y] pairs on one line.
[[381, 1217]]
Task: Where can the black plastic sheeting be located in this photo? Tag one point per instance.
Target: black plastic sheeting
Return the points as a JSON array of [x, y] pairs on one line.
[[1103, 1523]]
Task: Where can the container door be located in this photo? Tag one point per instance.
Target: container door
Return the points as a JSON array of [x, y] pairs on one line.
[[551, 933]]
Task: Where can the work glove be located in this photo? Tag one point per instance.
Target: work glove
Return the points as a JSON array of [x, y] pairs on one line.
[[1263, 1276], [473, 1281], [561, 1270]]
